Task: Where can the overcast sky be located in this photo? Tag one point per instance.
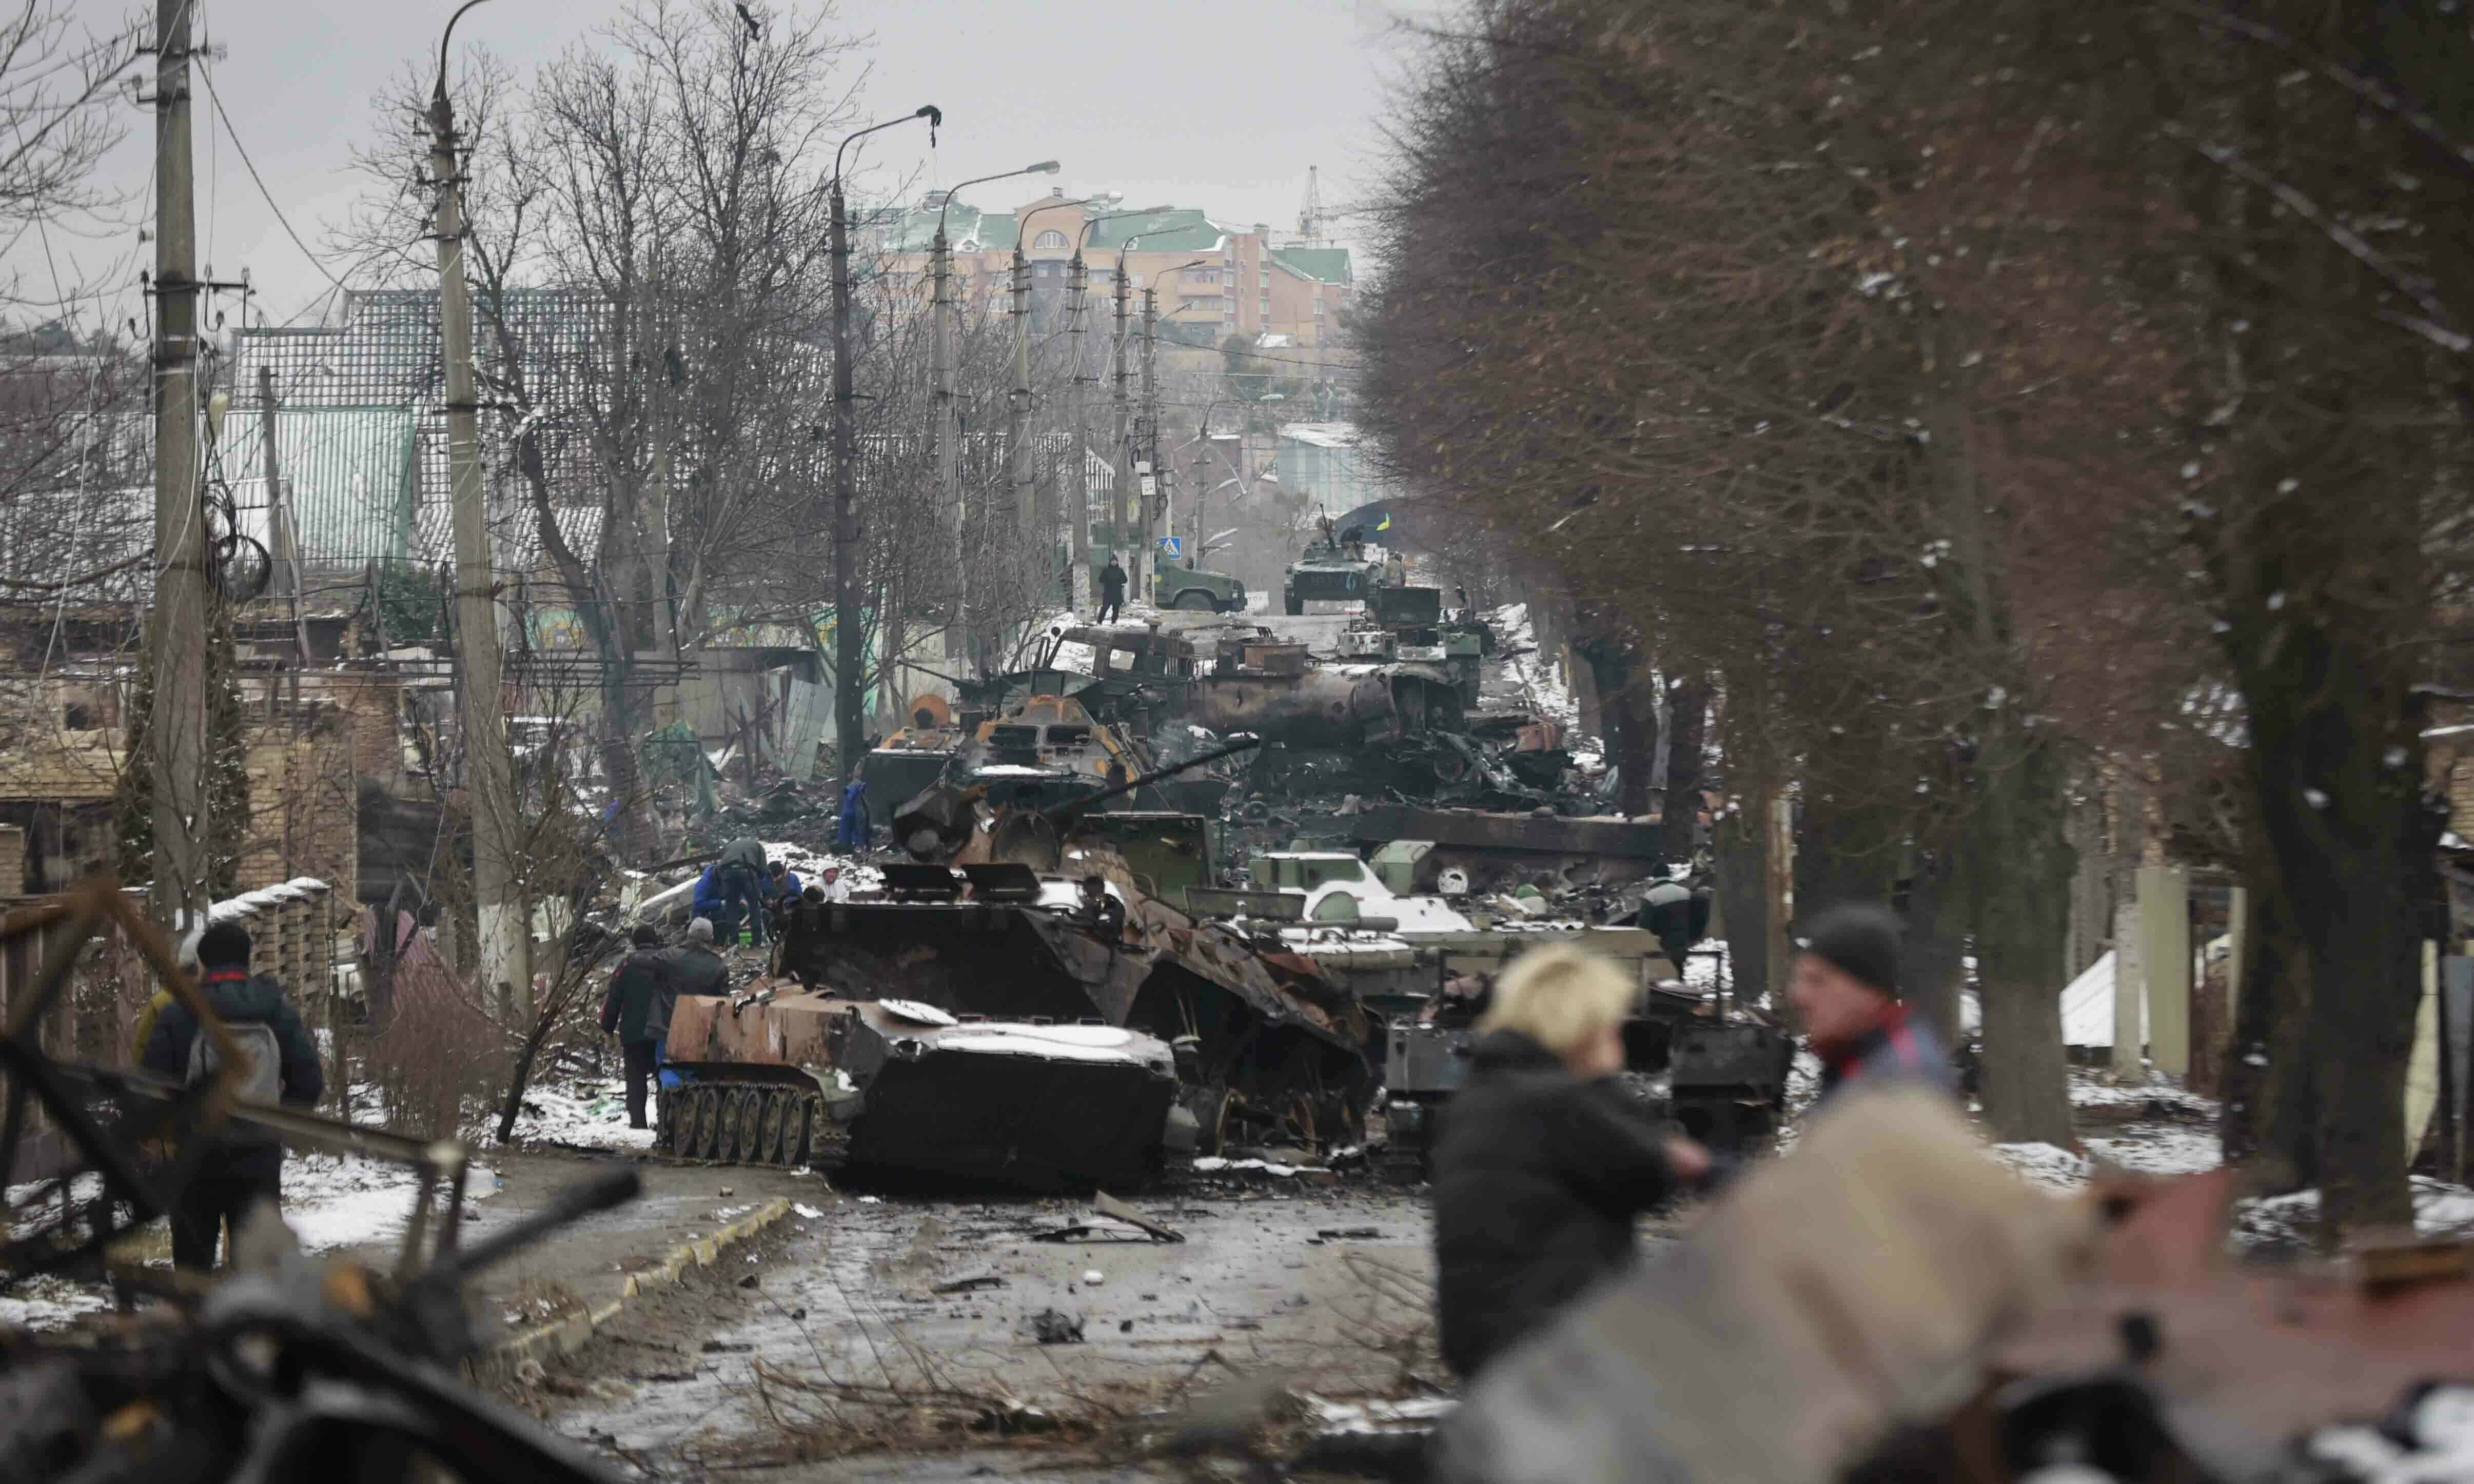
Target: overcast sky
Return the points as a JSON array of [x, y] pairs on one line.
[[1219, 107]]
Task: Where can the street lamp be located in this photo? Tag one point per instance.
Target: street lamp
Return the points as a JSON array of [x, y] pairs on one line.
[[849, 659], [949, 490], [1018, 404]]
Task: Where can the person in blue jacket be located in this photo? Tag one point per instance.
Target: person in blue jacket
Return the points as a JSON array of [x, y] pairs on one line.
[[713, 907], [853, 836]]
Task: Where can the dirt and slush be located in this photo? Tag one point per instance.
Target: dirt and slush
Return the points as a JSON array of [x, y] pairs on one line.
[[885, 1336]]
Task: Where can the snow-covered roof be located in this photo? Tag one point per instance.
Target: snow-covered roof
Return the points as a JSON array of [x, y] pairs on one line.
[[1322, 435]]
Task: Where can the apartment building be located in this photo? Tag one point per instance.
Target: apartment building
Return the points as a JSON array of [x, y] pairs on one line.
[[1212, 279]]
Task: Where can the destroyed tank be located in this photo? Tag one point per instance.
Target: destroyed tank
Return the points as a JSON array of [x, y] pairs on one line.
[[989, 918], [894, 1090]]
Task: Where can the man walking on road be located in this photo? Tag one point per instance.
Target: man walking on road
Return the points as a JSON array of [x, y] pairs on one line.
[[1113, 590], [245, 1163], [637, 1008]]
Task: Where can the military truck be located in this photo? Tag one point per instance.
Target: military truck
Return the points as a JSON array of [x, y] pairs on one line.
[[1195, 590]]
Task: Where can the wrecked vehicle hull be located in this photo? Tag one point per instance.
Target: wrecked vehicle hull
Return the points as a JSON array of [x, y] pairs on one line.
[[1330, 706], [900, 1093], [1267, 1049]]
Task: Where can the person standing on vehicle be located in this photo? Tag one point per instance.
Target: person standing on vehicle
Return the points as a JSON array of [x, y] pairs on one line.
[[1543, 1160], [244, 1164], [1113, 590], [637, 1009], [1845, 987], [742, 884]]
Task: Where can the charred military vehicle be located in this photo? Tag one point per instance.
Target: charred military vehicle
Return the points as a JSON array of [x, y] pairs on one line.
[[1336, 568], [1726, 1080], [997, 914], [1272, 689], [895, 1089], [915, 755]]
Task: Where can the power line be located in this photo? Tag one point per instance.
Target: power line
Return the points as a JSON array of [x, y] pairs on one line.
[[216, 99]]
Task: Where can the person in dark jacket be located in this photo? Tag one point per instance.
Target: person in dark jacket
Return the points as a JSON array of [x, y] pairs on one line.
[[1543, 1161], [1845, 987], [1113, 590], [694, 968], [638, 1009], [245, 1163]]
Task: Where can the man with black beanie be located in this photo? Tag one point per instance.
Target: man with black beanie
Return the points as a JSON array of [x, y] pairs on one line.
[[245, 1163], [1846, 987]]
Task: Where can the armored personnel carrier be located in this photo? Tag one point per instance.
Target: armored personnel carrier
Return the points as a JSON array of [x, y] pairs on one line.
[[1336, 568], [895, 1089]]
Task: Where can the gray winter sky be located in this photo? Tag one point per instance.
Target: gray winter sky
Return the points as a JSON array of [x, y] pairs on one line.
[[1217, 106]]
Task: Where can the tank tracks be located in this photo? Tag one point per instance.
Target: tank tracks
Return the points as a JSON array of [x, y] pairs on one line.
[[742, 1123]]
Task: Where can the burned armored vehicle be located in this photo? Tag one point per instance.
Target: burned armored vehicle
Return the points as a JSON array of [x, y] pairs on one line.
[[1272, 689], [894, 1090], [1068, 913]]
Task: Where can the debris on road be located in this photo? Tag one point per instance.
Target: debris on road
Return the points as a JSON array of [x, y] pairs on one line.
[[1052, 1327]]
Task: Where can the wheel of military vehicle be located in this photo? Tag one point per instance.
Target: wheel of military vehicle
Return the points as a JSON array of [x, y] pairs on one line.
[[798, 1132], [770, 1126], [751, 1126], [725, 1143], [708, 1123], [1194, 600]]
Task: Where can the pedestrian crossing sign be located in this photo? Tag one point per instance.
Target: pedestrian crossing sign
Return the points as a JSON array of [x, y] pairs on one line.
[[1171, 545]]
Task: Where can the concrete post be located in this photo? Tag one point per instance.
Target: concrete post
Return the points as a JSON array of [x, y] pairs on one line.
[[2165, 953]]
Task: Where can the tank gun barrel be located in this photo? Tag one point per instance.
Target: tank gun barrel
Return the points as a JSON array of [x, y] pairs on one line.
[[1065, 813]]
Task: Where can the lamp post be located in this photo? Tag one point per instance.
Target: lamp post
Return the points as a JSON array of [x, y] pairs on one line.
[[1155, 510], [850, 726], [948, 487], [1043, 525], [1125, 457]]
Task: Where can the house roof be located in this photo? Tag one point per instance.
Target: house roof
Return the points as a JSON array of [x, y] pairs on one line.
[[1322, 435], [1322, 264], [967, 228], [1162, 230]]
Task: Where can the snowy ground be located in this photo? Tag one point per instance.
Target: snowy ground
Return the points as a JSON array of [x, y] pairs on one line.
[[584, 1114], [329, 1202], [2155, 1127], [1532, 680]]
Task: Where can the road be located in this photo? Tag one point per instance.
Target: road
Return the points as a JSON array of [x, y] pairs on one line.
[[1326, 1286]]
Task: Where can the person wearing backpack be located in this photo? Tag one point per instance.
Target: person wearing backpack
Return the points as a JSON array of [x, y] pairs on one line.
[[245, 1163]]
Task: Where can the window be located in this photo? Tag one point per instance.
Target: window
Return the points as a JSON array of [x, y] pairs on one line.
[[1267, 279], [1051, 238], [1200, 275]]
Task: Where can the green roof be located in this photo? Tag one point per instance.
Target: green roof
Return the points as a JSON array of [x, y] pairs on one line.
[[915, 230], [1163, 230], [1324, 265]]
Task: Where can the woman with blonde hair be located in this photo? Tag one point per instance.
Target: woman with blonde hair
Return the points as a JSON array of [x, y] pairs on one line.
[[1543, 1161]]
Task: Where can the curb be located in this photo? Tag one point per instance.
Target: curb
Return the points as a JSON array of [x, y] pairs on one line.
[[566, 1336]]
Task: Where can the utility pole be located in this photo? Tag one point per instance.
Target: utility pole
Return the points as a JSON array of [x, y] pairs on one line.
[[1124, 445], [176, 723], [941, 382], [1078, 285], [850, 681], [504, 925], [1018, 421], [287, 540], [1149, 493]]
